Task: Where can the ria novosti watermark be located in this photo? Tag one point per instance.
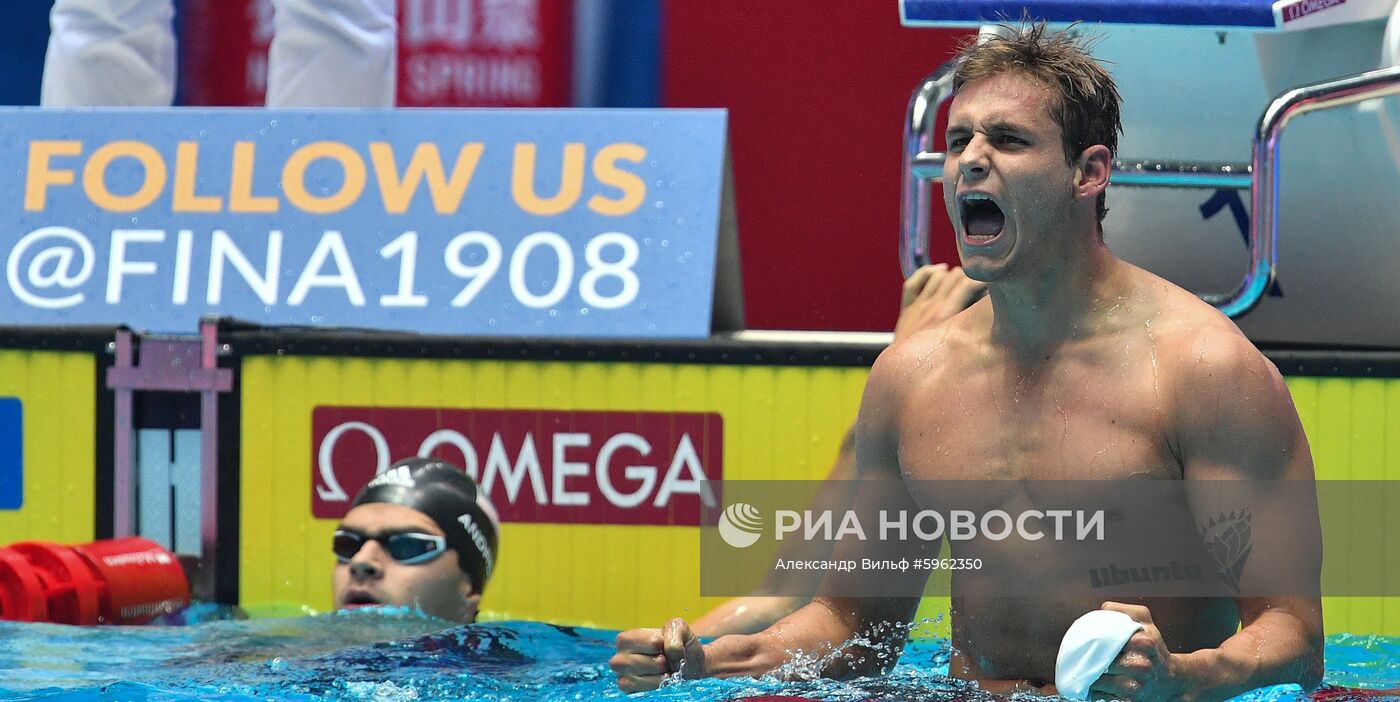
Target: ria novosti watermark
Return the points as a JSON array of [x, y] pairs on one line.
[[740, 525], [1091, 539]]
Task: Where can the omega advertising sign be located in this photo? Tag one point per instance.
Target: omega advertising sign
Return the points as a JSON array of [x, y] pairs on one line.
[[548, 466]]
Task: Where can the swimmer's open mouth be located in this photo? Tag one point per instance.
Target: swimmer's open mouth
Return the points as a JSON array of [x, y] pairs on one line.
[[361, 599], [982, 217]]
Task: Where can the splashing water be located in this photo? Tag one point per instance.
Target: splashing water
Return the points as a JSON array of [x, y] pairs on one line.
[[387, 655]]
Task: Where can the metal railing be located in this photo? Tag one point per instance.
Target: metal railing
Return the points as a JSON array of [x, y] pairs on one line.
[[922, 165]]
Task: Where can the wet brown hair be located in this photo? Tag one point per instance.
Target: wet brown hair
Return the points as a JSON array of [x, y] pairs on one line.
[[1084, 99]]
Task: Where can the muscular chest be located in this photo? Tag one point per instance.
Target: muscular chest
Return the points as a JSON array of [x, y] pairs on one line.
[[1087, 416]]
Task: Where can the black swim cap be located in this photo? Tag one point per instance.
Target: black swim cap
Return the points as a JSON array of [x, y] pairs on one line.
[[450, 498]]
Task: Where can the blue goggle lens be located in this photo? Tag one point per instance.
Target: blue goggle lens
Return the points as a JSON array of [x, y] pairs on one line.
[[408, 548]]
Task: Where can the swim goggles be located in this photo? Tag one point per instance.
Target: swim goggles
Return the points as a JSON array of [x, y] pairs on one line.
[[408, 548]]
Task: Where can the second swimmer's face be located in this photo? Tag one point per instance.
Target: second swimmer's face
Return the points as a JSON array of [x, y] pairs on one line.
[[372, 577]]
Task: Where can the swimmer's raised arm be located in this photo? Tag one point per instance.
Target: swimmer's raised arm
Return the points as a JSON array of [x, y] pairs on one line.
[[645, 656], [1234, 420], [784, 591]]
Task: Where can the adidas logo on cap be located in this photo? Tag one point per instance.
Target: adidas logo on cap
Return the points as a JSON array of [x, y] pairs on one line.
[[398, 476]]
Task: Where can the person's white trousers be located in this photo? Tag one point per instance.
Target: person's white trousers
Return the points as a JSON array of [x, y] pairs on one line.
[[324, 53], [332, 53]]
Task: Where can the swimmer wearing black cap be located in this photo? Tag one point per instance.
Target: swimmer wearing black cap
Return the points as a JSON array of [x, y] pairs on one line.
[[393, 544]]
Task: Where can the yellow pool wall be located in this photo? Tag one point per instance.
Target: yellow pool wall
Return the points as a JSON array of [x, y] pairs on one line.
[[58, 405], [781, 422]]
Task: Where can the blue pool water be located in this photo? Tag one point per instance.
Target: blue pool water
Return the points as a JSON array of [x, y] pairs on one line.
[[380, 656]]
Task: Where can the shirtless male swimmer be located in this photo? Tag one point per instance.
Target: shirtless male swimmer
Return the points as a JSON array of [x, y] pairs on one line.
[[1072, 352]]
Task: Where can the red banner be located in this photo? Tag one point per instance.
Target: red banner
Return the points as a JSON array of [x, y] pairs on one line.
[[508, 53], [537, 465], [451, 53]]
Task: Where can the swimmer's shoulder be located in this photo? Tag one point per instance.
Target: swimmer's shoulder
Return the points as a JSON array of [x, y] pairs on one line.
[[937, 346], [1227, 404], [929, 360], [1182, 317], [1206, 356], [1213, 356]]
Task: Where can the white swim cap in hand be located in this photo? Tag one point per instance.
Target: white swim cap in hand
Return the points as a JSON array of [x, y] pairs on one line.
[[1089, 648]]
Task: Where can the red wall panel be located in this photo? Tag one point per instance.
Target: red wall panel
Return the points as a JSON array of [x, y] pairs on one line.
[[816, 92]]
